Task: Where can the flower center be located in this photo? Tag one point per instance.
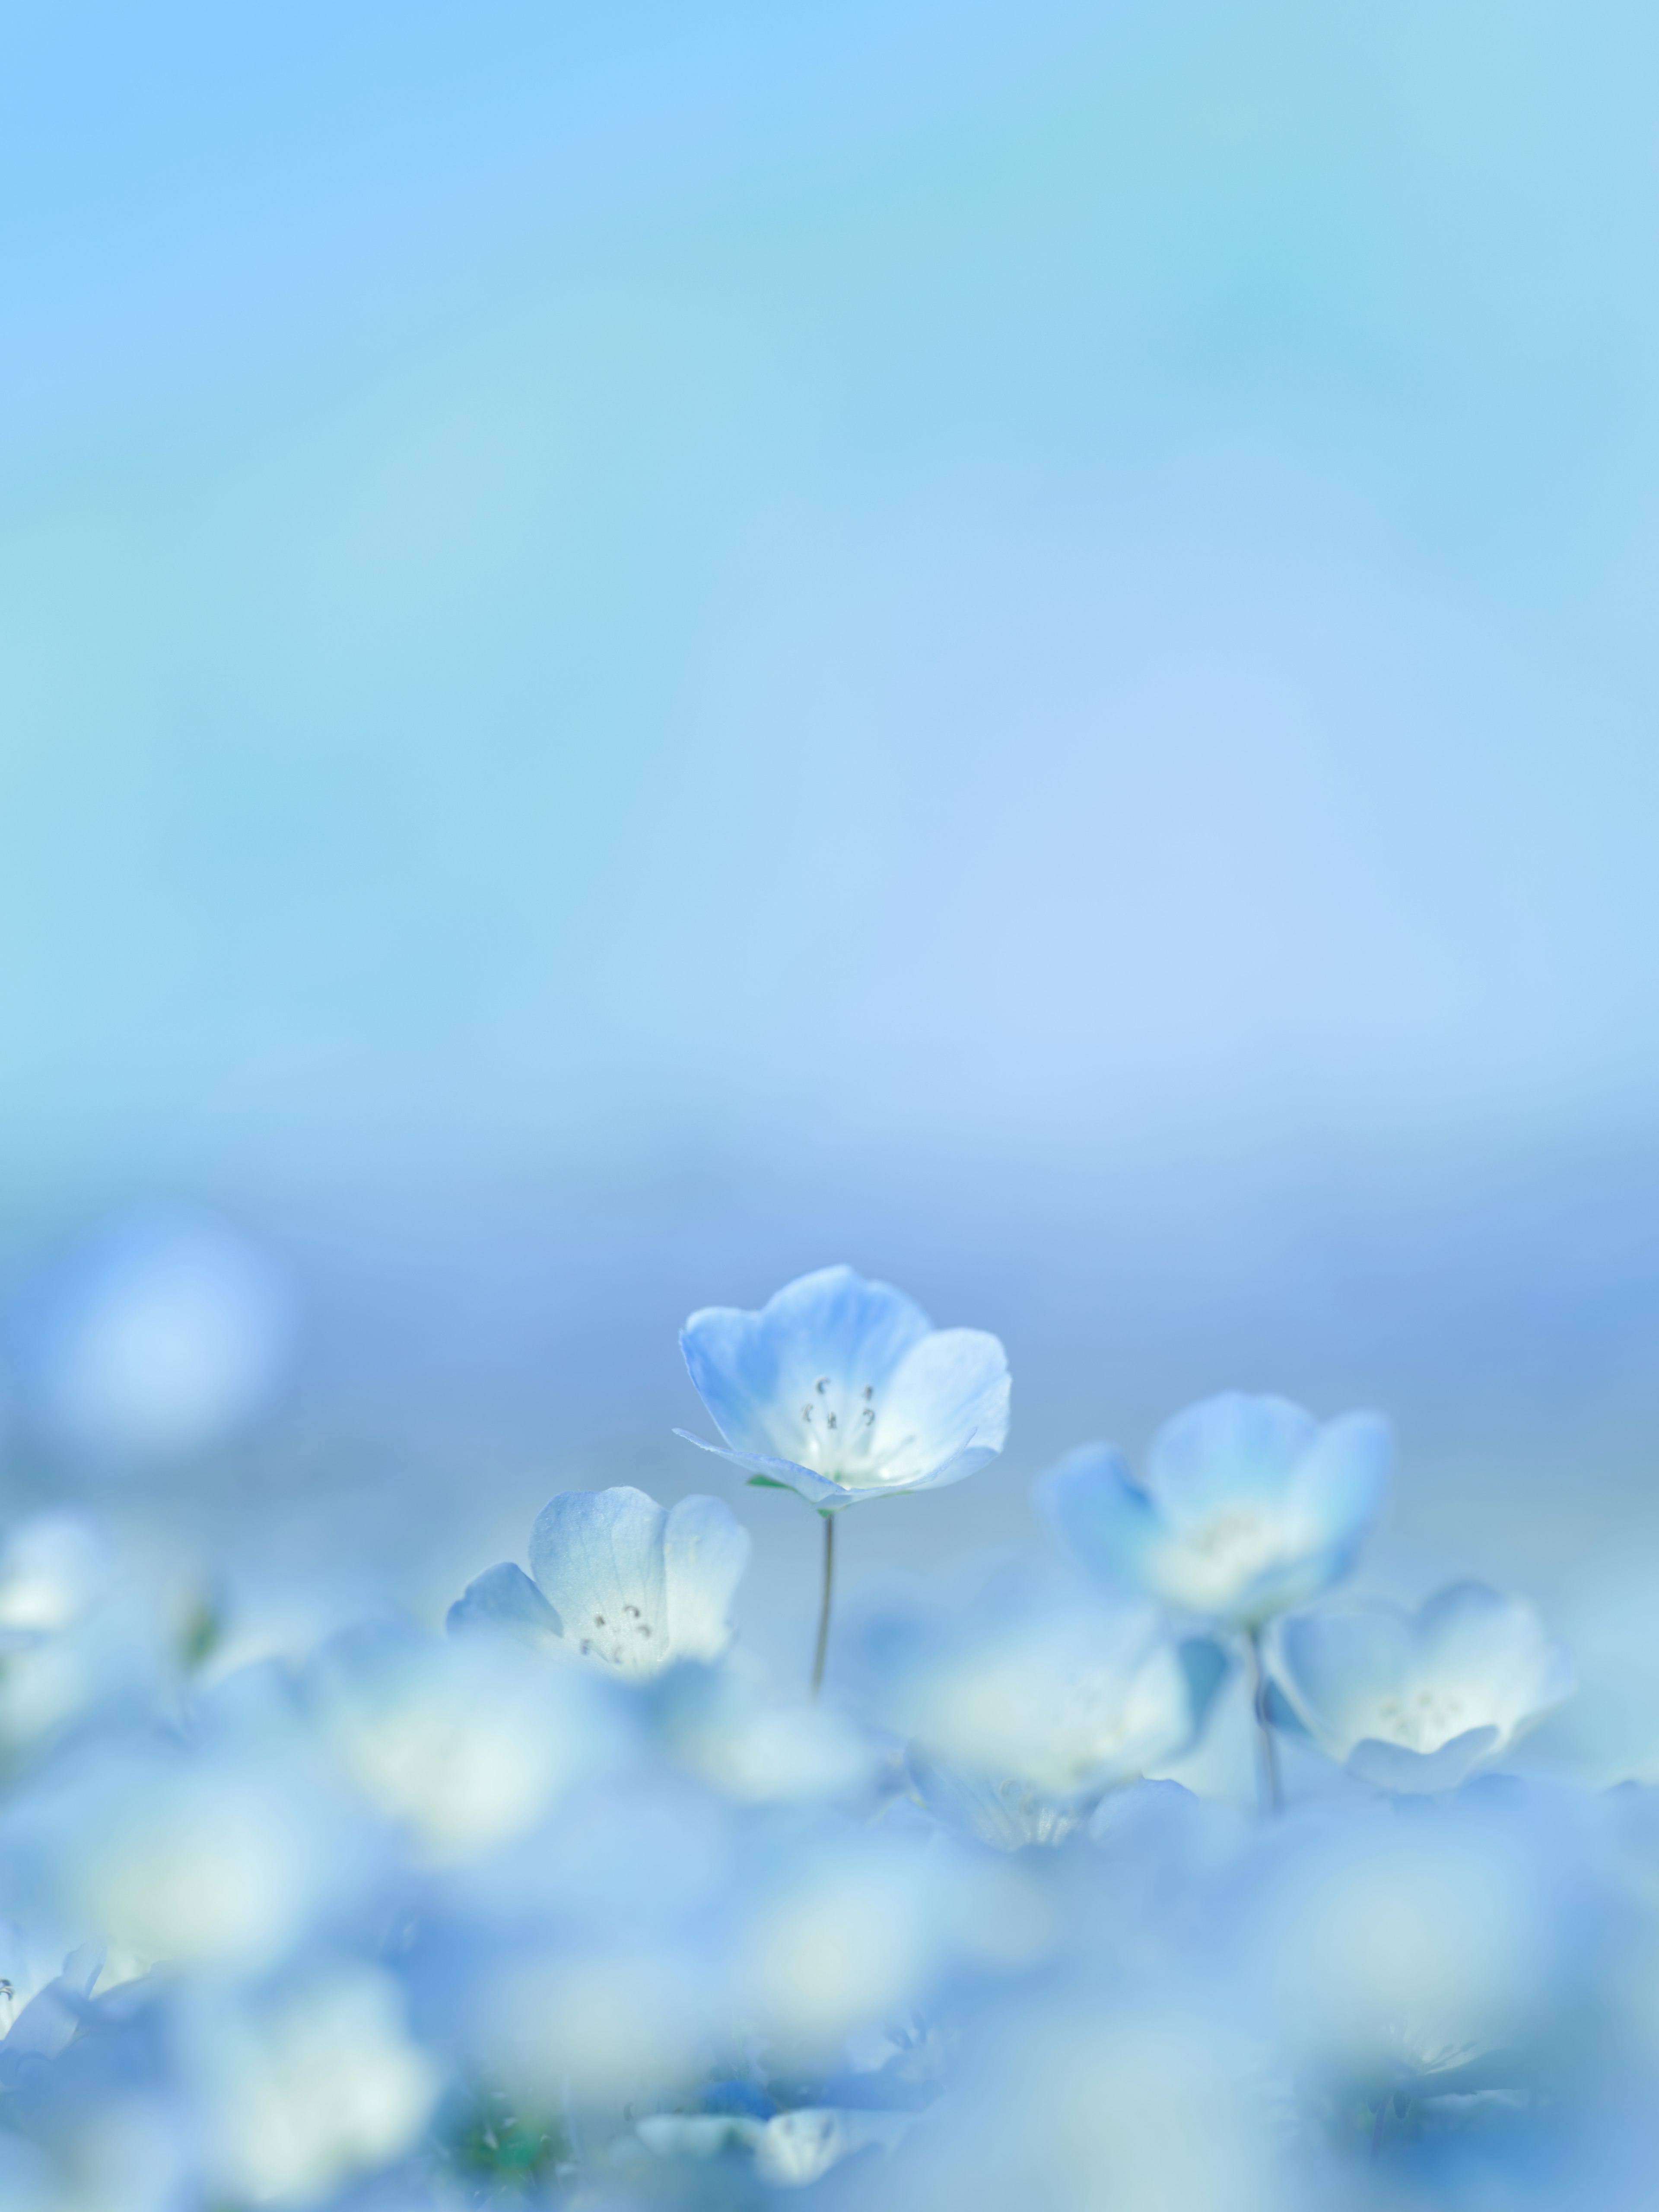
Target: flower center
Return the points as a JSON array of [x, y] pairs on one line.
[[1239, 1537], [841, 1432], [623, 1640], [1421, 1719]]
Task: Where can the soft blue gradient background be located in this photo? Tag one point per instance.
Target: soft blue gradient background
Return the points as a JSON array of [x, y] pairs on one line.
[[646, 646]]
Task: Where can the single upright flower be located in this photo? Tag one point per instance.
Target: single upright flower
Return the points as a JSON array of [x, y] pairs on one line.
[[1248, 1507], [843, 1390], [1417, 1701], [618, 1580]]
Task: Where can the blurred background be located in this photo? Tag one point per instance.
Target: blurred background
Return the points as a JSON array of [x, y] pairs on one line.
[[645, 647]]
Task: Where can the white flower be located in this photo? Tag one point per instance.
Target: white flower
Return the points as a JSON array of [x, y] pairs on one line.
[[207, 1861], [303, 2086], [1417, 1701], [842, 1390], [468, 1742], [1247, 1507], [618, 1581], [760, 1750], [1034, 1691]]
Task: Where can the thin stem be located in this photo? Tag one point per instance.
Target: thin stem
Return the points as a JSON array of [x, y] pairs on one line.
[[1269, 1796], [829, 1589]]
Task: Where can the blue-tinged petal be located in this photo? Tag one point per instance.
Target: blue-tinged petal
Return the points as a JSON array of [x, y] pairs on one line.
[[948, 1397], [705, 1551], [755, 1371], [1492, 1651], [1228, 1449], [504, 1601], [1088, 1502], [786, 1473], [965, 1462], [598, 1556], [1006, 1815], [1391, 1766], [1342, 1480], [1338, 1668]]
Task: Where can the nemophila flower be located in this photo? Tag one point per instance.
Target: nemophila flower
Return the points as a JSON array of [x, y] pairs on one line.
[[1419, 1701], [1248, 1507], [1458, 1948], [759, 1749], [466, 1741], [82, 1641], [618, 1580], [299, 2086], [843, 1390], [586, 1961], [210, 1861], [1026, 1700]]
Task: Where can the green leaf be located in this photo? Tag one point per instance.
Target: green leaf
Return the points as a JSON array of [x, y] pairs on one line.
[[766, 1482]]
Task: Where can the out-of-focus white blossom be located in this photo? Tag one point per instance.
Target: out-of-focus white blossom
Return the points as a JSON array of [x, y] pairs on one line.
[[1430, 1948], [300, 2086], [84, 1638], [1419, 1701], [763, 1749], [207, 1861], [1024, 1699], [467, 1740]]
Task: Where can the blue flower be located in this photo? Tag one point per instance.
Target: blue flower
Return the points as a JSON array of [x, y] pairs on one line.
[[842, 1390], [299, 2086], [464, 1743], [1417, 1701], [618, 1580], [1030, 1686], [1248, 1508]]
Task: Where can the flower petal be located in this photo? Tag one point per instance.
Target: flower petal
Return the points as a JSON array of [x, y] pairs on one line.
[[597, 1555], [1342, 1480], [504, 1601], [705, 1551], [949, 1399], [1495, 1649], [1228, 1447], [753, 1370], [786, 1473], [1391, 1766], [1336, 1666], [1087, 1501]]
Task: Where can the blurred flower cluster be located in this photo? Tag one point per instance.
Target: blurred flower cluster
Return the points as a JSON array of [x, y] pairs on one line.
[[571, 1905]]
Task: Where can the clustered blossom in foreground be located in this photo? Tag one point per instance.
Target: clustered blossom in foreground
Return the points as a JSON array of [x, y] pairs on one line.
[[567, 1906]]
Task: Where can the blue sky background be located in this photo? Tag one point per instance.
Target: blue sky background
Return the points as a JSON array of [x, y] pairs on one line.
[[645, 647]]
